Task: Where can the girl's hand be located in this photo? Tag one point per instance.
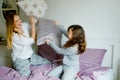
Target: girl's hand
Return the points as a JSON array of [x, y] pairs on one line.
[[47, 41], [56, 22], [32, 20]]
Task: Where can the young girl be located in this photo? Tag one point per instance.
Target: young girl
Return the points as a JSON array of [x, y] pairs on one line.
[[20, 42], [74, 46]]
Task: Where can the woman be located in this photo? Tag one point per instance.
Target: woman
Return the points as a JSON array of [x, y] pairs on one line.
[[20, 41]]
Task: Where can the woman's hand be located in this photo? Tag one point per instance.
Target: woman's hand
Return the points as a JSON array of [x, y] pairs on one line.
[[32, 20]]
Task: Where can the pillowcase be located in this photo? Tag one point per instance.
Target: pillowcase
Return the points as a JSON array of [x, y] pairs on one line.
[[47, 52], [33, 7], [92, 57], [47, 29]]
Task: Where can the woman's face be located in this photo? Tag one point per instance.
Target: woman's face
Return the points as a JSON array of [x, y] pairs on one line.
[[70, 34], [17, 22]]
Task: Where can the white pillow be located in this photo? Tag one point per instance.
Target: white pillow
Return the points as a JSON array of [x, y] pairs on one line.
[[103, 75], [33, 7]]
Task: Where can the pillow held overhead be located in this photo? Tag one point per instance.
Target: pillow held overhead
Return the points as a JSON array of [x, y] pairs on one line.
[[33, 7]]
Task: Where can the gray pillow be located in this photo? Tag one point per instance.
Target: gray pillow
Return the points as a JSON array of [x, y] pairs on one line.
[[47, 29]]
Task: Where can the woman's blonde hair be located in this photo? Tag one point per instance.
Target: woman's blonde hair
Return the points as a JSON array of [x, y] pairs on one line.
[[10, 28]]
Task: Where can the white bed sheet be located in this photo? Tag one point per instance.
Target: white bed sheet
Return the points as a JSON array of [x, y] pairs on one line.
[[103, 75]]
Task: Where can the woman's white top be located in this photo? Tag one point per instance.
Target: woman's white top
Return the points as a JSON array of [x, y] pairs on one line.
[[22, 44]]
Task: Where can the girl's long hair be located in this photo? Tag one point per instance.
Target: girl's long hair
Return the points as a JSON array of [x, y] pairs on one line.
[[10, 27], [78, 37]]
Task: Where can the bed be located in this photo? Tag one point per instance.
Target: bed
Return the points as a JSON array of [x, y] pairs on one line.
[[88, 72], [96, 64]]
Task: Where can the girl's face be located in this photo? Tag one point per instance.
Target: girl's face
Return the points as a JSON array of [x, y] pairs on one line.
[[17, 22], [70, 34]]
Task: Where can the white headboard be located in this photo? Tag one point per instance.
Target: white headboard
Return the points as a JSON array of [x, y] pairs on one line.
[[102, 44], [112, 46]]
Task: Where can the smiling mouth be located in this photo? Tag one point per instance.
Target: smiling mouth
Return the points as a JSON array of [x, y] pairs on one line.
[[19, 24]]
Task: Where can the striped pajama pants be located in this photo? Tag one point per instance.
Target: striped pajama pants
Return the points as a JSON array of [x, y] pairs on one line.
[[23, 65]]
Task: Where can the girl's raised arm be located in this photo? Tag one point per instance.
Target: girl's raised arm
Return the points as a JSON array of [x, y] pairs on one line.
[[62, 29]]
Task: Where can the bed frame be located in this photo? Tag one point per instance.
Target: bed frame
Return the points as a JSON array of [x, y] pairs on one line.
[[111, 56]]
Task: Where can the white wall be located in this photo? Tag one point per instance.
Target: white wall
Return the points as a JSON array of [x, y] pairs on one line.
[[2, 23], [2, 28], [98, 17]]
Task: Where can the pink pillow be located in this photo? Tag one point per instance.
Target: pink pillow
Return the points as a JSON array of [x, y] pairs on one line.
[[92, 57]]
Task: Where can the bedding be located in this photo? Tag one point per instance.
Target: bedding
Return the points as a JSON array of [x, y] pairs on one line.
[[39, 73], [94, 72], [92, 57], [103, 75]]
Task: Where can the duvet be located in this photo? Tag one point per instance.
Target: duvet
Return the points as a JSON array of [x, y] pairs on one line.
[[39, 73]]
